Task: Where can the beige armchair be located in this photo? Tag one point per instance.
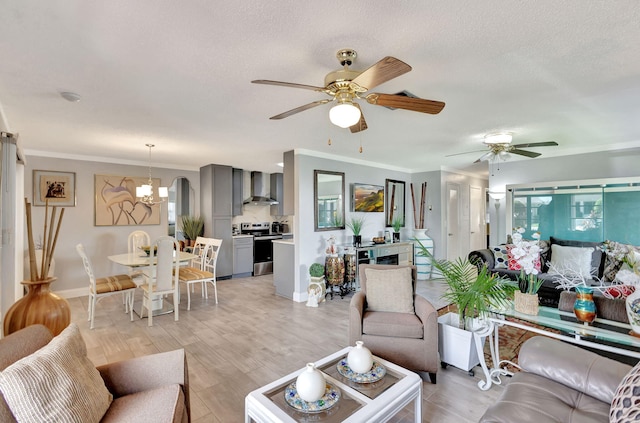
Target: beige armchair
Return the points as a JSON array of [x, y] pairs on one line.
[[153, 387], [392, 320]]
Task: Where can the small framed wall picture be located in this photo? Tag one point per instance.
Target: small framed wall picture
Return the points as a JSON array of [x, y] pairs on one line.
[[58, 188]]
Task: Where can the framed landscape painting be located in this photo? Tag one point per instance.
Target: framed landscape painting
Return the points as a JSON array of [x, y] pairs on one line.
[[117, 205], [55, 188], [367, 198]]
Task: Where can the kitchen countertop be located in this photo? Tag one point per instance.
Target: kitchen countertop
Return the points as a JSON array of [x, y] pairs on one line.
[[243, 236]]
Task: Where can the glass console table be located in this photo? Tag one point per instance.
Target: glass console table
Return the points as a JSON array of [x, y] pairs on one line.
[[602, 334]]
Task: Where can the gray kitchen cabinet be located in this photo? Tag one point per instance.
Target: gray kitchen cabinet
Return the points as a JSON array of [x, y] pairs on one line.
[[237, 194], [242, 256], [277, 194], [216, 196]]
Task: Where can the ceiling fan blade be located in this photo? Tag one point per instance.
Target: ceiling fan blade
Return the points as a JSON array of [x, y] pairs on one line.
[[288, 84], [383, 71], [361, 125], [466, 152], [536, 144], [525, 152], [408, 103], [299, 109]]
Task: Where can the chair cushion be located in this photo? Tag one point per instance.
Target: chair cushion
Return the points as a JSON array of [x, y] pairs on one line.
[[114, 283], [164, 404], [56, 383], [390, 290], [397, 325], [625, 406], [186, 274]]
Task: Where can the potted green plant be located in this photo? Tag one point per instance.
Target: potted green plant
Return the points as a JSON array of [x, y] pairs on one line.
[[192, 227], [475, 292], [355, 224], [397, 223], [317, 287]]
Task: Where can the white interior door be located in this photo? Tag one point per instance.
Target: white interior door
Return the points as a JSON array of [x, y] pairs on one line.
[[477, 238], [453, 221]]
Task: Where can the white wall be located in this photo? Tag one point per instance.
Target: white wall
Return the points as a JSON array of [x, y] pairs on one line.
[[78, 222], [605, 164], [311, 245]]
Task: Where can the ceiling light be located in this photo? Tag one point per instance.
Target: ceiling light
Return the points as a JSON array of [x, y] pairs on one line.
[[344, 114], [145, 192], [499, 138], [69, 96]]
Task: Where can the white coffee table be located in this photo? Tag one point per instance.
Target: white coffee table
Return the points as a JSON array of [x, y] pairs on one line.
[[375, 402]]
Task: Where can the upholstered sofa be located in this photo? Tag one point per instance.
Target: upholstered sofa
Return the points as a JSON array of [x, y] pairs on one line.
[[560, 382], [143, 389], [495, 258]]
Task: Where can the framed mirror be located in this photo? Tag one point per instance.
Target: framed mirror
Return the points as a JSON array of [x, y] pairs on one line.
[[328, 197], [394, 197], [181, 203]]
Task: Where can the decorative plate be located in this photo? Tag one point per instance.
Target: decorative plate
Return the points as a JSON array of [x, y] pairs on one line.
[[376, 373], [330, 398]]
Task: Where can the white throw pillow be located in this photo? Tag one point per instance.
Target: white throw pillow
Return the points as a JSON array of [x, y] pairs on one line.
[[57, 383], [570, 261], [389, 290]]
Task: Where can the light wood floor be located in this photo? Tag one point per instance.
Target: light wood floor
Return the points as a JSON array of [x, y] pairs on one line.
[[251, 338]]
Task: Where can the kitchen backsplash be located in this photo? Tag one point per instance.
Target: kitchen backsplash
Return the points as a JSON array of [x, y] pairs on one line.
[[254, 214]]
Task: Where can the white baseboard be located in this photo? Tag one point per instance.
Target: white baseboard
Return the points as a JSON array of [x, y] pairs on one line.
[[73, 293]]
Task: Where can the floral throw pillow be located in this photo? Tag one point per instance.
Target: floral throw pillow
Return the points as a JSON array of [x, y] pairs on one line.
[[513, 263], [501, 257]]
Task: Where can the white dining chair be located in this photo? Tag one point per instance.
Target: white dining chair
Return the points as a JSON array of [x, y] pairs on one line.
[[202, 269], [104, 287], [162, 276], [135, 241]]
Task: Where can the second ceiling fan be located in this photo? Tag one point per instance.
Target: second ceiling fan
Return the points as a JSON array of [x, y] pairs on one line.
[[344, 86]]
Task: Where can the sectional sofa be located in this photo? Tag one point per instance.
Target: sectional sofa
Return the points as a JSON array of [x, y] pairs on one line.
[[594, 262]]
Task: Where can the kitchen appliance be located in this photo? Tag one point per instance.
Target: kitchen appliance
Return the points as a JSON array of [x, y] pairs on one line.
[[260, 195], [262, 245]]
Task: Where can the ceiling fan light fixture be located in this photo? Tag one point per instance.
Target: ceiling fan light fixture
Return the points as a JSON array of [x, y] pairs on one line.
[[498, 138], [344, 114]]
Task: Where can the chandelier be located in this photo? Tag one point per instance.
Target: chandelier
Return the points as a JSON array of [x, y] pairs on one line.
[[145, 192]]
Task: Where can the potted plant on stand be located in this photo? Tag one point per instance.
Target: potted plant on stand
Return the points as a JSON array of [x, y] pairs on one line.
[[317, 286], [474, 292], [355, 224], [397, 224], [192, 227]]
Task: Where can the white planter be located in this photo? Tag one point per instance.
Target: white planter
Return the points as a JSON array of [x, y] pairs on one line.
[[456, 346]]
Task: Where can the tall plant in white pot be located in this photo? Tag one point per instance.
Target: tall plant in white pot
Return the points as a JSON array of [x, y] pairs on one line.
[[474, 292]]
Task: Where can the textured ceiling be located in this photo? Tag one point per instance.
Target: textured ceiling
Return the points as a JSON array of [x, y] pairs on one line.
[[177, 74]]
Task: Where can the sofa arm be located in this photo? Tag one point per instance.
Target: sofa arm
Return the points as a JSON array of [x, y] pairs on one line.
[[148, 372], [482, 257], [571, 366], [356, 311]]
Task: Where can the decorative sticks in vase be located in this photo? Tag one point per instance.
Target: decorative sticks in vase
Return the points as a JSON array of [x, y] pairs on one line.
[[50, 240]]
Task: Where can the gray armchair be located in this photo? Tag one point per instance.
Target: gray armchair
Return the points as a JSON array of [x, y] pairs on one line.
[[407, 339]]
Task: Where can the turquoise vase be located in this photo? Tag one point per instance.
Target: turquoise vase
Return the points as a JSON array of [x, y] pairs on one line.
[[584, 307]]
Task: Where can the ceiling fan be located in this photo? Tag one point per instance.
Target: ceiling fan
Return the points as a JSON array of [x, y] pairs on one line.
[[500, 147], [345, 86]]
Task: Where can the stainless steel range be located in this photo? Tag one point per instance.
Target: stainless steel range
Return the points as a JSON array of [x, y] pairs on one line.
[[262, 246]]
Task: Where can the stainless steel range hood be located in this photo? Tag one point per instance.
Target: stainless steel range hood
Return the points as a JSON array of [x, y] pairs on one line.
[[259, 191]]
